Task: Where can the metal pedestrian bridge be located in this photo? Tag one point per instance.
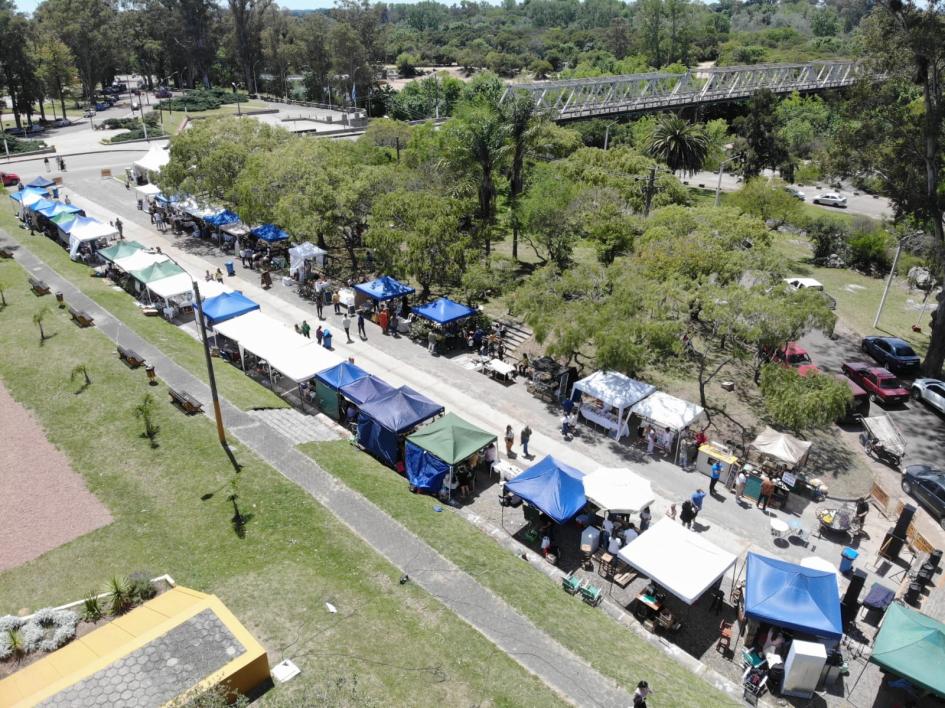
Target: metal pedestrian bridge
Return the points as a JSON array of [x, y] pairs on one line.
[[603, 96]]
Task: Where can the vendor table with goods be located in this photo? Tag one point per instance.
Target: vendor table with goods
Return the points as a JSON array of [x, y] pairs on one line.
[[606, 420]]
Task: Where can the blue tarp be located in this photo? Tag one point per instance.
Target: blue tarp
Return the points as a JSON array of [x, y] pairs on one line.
[[226, 306], [42, 204], [366, 389], [383, 420], [341, 375], [270, 233], [792, 596], [41, 183], [425, 470], [554, 487], [59, 208], [18, 195], [222, 217], [443, 311], [384, 288], [161, 199]]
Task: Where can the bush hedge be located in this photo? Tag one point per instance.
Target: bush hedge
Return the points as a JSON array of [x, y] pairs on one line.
[[197, 100]]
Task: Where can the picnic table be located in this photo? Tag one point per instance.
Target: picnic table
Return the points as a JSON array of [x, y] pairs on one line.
[[497, 367]]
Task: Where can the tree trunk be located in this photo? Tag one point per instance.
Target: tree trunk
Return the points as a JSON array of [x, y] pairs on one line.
[[935, 356], [42, 109], [62, 97]]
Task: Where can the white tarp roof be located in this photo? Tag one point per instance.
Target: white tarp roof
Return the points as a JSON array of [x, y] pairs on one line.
[[194, 208], [139, 261], [667, 411], [148, 190], [302, 363], [298, 254], [684, 563], [211, 288], [618, 490], [91, 230], [173, 287], [781, 446], [154, 159], [614, 388]]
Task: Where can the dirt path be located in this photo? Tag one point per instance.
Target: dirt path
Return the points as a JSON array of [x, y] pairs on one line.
[[44, 502]]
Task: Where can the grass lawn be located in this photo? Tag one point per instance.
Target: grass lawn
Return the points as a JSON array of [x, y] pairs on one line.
[[858, 296], [173, 119], [177, 344], [588, 632], [401, 645]]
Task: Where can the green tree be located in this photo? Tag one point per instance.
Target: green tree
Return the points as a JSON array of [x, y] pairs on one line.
[[145, 412], [801, 403], [407, 64], [758, 145], [682, 145], [769, 200], [549, 217], [56, 67], [38, 318], [247, 18]]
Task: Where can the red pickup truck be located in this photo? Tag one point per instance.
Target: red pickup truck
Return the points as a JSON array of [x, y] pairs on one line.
[[9, 179], [882, 385]]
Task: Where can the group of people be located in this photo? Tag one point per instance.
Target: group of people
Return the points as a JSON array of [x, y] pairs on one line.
[[618, 531], [662, 439]]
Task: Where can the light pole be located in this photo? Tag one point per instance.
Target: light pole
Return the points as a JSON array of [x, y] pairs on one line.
[[239, 113], [255, 82], [892, 273], [718, 186], [607, 133]]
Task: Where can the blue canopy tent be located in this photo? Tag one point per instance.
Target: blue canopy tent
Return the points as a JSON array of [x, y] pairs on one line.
[[42, 204], [226, 306], [270, 233], [383, 288], [40, 183], [77, 223], [328, 384], [166, 201], [443, 311], [384, 420], [366, 389], [553, 487], [222, 217], [792, 596], [20, 195], [59, 208]]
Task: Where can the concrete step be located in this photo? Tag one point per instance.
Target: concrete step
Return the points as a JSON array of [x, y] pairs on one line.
[[297, 426]]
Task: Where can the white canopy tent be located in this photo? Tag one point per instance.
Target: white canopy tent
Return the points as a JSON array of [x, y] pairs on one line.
[[153, 160], [667, 411], [148, 190], [90, 231], [782, 446], [618, 490], [305, 251], [614, 390], [682, 562], [211, 288], [139, 261], [196, 209], [177, 287], [302, 363]]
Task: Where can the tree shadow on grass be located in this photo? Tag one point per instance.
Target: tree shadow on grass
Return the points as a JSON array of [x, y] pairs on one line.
[[151, 436], [46, 338], [79, 391]]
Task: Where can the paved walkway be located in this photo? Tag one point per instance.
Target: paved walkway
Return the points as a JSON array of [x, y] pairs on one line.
[[515, 635]]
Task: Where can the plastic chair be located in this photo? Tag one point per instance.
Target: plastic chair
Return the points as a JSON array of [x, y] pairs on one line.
[[724, 643], [571, 584], [751, 660], [591, 595]]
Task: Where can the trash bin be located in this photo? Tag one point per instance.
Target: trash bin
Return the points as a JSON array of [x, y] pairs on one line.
[[326, 340], [230, 270], [847, 556]]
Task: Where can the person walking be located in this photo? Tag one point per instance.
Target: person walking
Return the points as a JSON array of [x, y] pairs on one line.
[[361, 333], [767, 489], [318, 335], [645, 518], [346, 325], [46, 162], [687, 514], [697, 498], [306, 329], [740, 483], [319, 306], [565, 426], [640, 694], [431, 341], [120, 227], [714, 475], [336, 302], [525, 436], [62, 164], [509, 440]]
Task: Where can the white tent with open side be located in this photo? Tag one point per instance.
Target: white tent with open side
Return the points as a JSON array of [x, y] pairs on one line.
[[303, 252], [148, 190], [684, 563], [153, 160], [618, 490], [179, 288], [667, 411], [614, 390], [89, 231], [139, 260], [782, 446]]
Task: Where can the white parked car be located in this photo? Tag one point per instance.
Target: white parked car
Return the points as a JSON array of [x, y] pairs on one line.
[[799, 283], [831, 199], [795, 192], [931, 392]]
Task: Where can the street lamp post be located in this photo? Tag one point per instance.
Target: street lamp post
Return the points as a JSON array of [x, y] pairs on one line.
[[607, 133], [239, 112], [892, 273], [718, 186], [217, 413]]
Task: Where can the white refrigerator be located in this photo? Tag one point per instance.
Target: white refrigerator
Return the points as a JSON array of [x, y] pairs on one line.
[[802, 669]]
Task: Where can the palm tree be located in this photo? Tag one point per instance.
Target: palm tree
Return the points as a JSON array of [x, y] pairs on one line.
[[144, 411], [38, 318], [524, 128], [80, 370], [682, 145]]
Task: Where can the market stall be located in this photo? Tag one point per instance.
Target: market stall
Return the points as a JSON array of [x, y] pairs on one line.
[[443, 311], [270, 233], [437, 449], [138, 260], [226, 306], [912, 646], [147, 191], [383, 422], [154, 272], [618, 490], [552, 487], [683, 563], [550, 380], [83, 230], [176, 291], [607, 396], [59, 208], [151, 163], [328, 385], [778, 456], [27, 197], [40, 183], [301, 256], [668, 412], [444, 318], [380, 290], [367, 388], [120, 250]]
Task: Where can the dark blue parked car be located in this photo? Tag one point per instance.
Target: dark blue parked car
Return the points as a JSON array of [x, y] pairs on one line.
[[893, 353]]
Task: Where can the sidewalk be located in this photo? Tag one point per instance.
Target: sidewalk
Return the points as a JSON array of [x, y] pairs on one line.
[[512, 633]]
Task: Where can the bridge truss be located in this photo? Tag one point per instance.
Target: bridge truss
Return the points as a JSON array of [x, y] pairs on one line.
[[575, 99]]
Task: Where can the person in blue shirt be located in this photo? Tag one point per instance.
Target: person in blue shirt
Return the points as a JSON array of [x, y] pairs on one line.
[[696, 500], [714, 475]]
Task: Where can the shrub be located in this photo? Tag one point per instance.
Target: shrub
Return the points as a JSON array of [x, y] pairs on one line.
[[869, 251], [137, 134], [140, 587], [8, 623], [197, 100], [827, 236], [807, 173], [91, 608], [6, 646], [33, 634], [118, 595]]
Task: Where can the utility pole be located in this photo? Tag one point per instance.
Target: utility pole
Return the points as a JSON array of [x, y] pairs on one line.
[[217, 413], [892, 272], [436, 88], [648, 194]]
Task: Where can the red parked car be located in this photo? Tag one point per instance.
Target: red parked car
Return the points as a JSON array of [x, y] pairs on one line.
[[796, 357], [882, 385], [859, 404], [9, 179]]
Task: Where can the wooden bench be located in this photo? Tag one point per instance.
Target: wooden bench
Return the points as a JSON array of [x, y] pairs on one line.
[[130, 357], [188, 403], [83, 319], [39, 287]]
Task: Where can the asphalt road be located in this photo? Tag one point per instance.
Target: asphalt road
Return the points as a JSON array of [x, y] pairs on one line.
[[922, 427]]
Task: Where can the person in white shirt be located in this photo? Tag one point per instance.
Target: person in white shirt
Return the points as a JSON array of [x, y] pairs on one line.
[[614, 546], [740, 482]]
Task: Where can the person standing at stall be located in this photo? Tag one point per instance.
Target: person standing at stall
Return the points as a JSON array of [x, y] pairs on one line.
[[509, 440], [383, 319], [525, 436], [346, 325], [767, 489], [336, 302], [715, 474], [361, 333]]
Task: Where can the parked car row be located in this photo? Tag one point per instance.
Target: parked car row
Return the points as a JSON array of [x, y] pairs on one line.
[[926, 484]]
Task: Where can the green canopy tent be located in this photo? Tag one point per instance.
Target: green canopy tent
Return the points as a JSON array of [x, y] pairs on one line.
[[63, 219], [157, 271], [433, 450], [122, 249], [912, 646]]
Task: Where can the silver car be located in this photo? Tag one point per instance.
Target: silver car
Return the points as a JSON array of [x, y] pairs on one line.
[[931, 392], [831, 199]]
